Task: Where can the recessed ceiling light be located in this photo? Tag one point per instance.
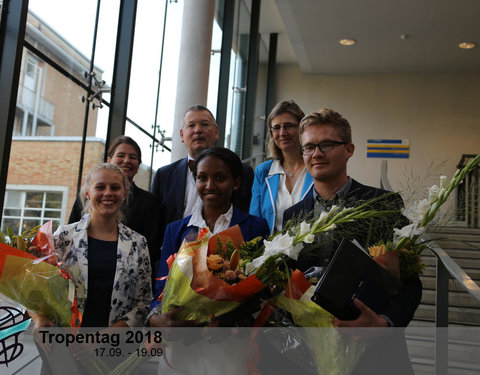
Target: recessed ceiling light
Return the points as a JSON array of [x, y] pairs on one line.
[[467, 45], [347, 42]]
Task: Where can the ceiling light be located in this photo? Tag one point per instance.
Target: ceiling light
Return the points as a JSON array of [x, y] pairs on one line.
[[347, 42], [467, 45]]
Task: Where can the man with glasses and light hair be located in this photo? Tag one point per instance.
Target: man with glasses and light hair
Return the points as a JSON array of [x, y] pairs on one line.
[[326, 146], [174, 184]]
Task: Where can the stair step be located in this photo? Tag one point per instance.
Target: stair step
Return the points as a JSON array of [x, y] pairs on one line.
[[431, 270], [457, 353], [457, 299], [457, 230], [461, 253], [429, 283], [454, 239], [463, 348], [466, 315], [463, 263], [473, 246]]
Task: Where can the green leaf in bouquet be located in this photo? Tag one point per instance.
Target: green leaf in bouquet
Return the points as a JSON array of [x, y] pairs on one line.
[[37, 286], [10, 233], [20, 243], [196, 306], [2, 238]]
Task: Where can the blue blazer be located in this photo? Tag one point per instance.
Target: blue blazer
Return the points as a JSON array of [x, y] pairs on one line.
[[251, 227], [264, 192]]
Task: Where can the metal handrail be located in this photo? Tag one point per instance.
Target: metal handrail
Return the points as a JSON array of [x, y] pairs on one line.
[[447, 266], [384, 182], [456, 271], [464, 160]]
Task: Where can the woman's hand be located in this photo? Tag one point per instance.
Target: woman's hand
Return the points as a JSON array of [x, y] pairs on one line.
[[166, 320], [40, 321], [120, 323]]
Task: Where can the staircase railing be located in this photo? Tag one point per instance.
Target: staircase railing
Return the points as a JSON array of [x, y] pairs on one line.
[[468, 192], [447, 266]]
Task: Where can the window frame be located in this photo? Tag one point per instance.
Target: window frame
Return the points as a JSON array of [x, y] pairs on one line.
[[40, 189]]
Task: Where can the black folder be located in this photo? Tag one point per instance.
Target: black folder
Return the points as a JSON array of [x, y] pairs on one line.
[[352, 273]]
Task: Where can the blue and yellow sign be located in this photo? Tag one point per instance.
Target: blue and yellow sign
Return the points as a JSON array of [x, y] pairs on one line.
[[388, 148]]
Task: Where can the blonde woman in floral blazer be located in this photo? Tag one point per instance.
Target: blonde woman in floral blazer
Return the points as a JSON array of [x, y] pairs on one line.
[[108, 262], [132, 292]]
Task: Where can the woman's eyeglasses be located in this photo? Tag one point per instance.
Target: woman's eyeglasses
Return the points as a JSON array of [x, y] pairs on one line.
[[287, 126]]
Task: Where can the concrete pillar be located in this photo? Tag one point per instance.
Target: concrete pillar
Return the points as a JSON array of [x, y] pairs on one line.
[[193, 65]]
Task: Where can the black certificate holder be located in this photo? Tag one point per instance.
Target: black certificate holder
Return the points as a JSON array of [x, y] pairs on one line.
[[352, 273]]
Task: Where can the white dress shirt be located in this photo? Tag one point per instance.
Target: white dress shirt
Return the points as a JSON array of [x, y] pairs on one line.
[[192, 200], [222, 223]]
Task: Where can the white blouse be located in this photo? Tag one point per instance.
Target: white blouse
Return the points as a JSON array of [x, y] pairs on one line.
[[222, 223], [285, 199]]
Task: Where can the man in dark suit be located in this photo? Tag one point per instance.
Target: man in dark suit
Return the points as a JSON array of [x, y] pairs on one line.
[[174, 184], [325, 137]]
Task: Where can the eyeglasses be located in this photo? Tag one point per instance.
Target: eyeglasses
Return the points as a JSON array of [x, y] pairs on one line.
[[325, 146], [193, 125], [287, 126]]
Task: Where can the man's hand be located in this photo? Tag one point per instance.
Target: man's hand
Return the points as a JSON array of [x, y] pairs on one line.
[[367, 318]]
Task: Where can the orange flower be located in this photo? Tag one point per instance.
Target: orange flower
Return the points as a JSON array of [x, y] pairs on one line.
[[376, 251], [214, 262], [202, 233]]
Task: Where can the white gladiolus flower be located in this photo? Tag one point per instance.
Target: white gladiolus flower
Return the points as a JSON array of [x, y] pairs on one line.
[[281, 244], [416, 211], [321, 219], [443, 181], [330, 227], [333, 210], [254, 264], [309, 238], [304, 228], [433, 193], [409, 231]]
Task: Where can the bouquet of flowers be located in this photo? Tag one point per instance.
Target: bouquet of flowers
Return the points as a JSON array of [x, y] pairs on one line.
[[410, 240], [30, 276], [206, 279]]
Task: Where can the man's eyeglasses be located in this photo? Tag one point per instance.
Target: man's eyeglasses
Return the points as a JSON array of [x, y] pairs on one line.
[[287, 126], [325, 146], [193, 125]]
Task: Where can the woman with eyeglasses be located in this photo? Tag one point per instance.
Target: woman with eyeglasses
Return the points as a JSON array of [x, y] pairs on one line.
[[283, 181]]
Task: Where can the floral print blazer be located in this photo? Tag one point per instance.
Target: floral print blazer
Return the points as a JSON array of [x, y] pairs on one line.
[[132, 290]]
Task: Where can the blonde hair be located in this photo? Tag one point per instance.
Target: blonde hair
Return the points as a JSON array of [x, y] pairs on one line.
[[287, 106], [326, 116], [87, 205]]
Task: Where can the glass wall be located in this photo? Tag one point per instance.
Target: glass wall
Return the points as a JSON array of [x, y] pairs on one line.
[[55, 108], [63, 100], [153, 80], [238, 78]]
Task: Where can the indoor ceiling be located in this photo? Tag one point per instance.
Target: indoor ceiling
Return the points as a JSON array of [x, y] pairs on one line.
[[391, 36]]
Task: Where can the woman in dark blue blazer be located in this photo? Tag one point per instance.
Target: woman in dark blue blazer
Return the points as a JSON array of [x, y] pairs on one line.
[[217, 174]]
